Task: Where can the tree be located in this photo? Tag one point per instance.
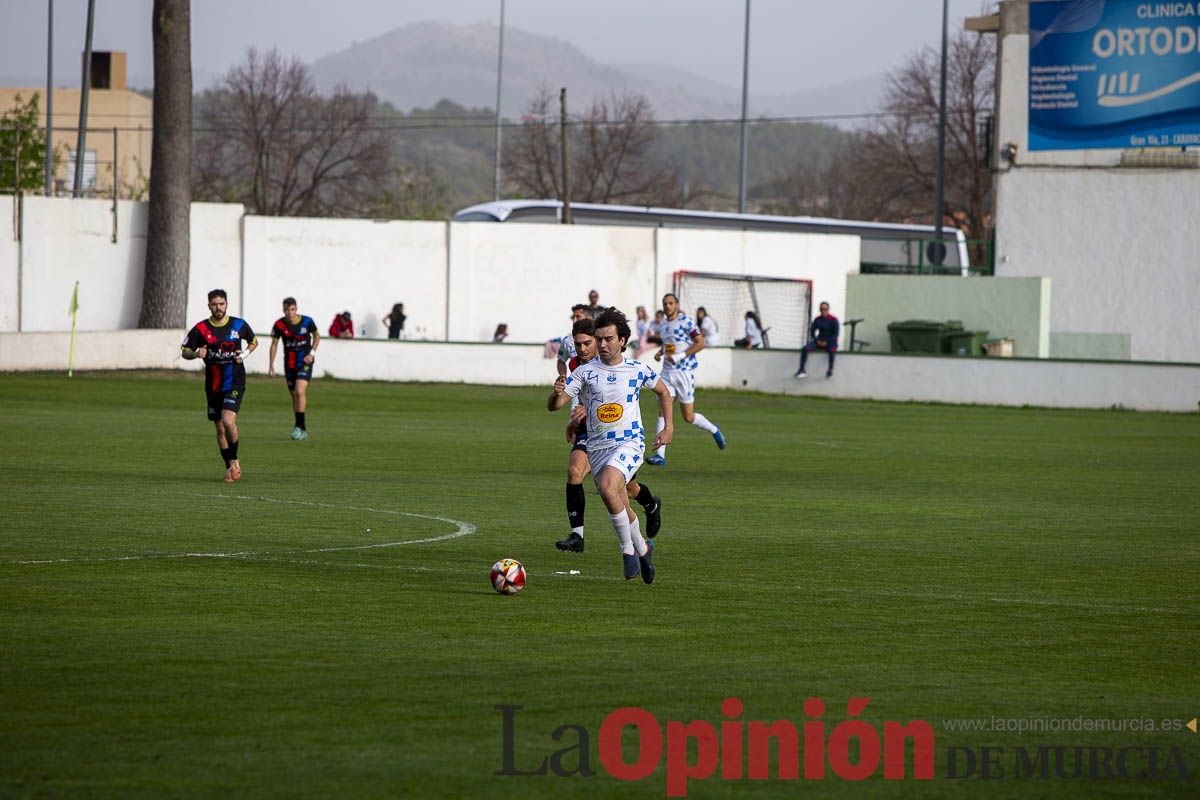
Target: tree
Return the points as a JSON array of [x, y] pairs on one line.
[[888, 171], [269, 141], [168, 237], [22, 148], [610, 148]]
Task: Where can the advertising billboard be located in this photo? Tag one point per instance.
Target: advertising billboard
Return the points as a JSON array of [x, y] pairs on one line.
[[1114, 73]]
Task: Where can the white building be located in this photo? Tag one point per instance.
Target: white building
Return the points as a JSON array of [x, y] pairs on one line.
[[1115, 228]]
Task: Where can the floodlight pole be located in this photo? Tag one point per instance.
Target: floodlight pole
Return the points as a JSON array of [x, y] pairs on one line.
[[499, 77], [567, 219], [745, 89], [937, 248], [50, 99], [81, 141]]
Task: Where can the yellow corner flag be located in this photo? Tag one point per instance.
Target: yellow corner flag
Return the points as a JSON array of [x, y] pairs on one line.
[[73, 312]]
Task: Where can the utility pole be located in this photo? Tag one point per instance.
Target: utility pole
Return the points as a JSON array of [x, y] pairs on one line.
[[81, 140], [937, 250], [499, 77], [566, 159], [50, 100], [745, 106]]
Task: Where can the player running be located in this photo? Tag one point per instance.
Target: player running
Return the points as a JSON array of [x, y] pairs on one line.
[[583, 342], [681, 341], [566, 345], [218, 341], [608, 388], [300, 341]]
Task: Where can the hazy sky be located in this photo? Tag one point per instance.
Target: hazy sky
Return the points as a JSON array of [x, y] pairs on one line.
[[794, 44]]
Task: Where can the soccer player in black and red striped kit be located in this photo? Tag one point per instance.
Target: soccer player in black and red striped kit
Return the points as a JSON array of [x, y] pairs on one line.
[[218, 341], [300, 341]]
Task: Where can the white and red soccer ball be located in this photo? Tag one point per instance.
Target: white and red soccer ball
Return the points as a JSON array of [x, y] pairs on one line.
[[508, 576]]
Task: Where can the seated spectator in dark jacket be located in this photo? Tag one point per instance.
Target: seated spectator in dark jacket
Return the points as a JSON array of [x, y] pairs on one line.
[[824, 336], [342, 326]]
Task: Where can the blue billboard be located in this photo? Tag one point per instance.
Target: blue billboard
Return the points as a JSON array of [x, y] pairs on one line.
[[1113, 73]]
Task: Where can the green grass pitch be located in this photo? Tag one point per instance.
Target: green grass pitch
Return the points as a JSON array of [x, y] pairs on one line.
[[181, 637]]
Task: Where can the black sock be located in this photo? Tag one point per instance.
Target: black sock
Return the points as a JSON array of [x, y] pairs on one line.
[[225, 455], [575, 503], [300, 420], [233, 451], [645, 497]]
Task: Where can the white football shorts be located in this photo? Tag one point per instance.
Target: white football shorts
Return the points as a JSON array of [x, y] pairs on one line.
[[627, 457], [681, 384]]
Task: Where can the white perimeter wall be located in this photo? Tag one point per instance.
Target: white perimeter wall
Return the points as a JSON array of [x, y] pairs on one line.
[[999, 381], [1121, 246], [457, 281], [9, 253], [335, 265], [216, 256], [67, 241], [528, 276]]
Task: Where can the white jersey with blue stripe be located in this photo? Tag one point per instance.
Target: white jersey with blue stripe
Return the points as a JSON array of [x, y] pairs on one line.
[[610, 395], [566, 348], [677, 335]]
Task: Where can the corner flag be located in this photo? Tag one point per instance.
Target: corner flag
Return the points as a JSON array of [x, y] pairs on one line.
[[73, 312]]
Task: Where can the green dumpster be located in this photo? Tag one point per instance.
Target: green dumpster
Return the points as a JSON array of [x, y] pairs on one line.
[[917, 336], [966, 343]]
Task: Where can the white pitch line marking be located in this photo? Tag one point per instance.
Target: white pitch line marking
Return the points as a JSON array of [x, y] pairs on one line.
[[462, 529]]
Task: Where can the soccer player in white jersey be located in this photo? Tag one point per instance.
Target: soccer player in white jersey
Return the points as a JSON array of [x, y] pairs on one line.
[[583, 339], [608, 387], [566, 345], [681, 341]]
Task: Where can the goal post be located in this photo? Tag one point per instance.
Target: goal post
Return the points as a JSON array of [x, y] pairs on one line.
[[784, 305]]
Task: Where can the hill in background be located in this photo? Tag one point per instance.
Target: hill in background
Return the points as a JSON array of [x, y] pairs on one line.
[[418, 65], [438, 84]]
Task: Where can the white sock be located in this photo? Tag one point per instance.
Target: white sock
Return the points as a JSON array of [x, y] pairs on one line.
[[620, 523], [578, 530], [635, 533], [662, 450], [701, 421]]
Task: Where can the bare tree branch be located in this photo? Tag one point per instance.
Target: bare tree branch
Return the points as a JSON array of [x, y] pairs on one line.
[[611, 159], [888, 171], [268, 140]]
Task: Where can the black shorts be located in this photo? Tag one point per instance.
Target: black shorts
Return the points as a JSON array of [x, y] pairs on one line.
[[580, 443], [300, 373], [219, 402]]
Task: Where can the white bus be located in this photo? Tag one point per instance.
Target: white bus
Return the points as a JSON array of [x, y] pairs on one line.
[[886, 246]]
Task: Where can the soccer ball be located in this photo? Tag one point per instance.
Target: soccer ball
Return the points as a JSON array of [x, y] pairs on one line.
[[508, 576]]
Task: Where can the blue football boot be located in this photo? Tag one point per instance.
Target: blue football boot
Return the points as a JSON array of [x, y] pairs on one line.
[[647, 564]]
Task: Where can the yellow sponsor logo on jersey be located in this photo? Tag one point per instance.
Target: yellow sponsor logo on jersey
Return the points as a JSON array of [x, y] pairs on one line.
[[670, 348], [609, 412]]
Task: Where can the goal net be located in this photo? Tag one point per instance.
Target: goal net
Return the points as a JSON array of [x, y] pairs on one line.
[[783, 305]]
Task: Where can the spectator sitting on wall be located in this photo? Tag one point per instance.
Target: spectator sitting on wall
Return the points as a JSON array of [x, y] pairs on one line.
[[655, 336], [708, 327], [342, 326], [754, 332], [501, 333], [824, 332], [644, 328]]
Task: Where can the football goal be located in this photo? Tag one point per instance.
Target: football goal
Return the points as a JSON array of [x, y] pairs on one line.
[[783, 305]]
